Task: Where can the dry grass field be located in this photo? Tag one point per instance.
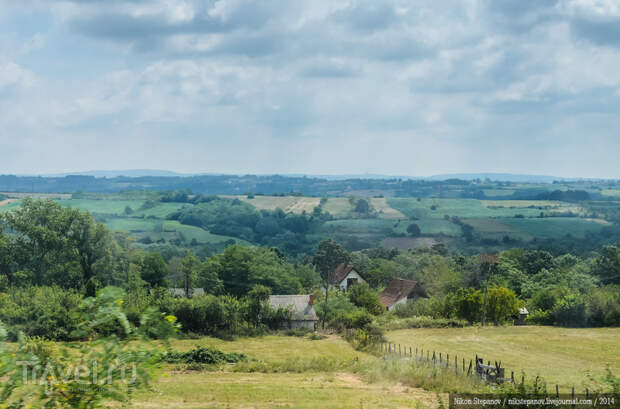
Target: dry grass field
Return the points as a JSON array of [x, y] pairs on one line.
[[561, 356], [314, 387], [290, 204]]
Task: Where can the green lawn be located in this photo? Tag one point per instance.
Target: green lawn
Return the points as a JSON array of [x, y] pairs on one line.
[[560, 355]]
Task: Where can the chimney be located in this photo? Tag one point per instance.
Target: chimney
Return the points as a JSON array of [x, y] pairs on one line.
[[311, 299]]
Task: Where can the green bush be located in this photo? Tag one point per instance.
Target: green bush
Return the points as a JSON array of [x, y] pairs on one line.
[[204, 355], [389, 323], [363, 296], [540, 317], [39, 311]]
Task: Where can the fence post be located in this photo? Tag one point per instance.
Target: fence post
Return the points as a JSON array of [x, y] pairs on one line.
[[399, 350], [440, 359], [434, 358], [587, 394], [557, 391], [469, 369], [522, 379], [428, 354], [410, 353], [463, 364], [512, 376], [447, 360]]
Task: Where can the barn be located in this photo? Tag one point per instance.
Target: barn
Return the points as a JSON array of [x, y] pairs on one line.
[[302, 307], [344, 276], [399, 291]]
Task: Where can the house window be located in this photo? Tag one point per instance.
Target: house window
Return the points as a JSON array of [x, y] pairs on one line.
[[350, 282]]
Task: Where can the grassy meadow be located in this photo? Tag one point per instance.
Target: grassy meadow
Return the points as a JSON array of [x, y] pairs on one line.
[[296, 372], [561, 356], [307, 374]]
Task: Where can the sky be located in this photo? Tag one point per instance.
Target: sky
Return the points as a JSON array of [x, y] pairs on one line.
[[388, 87]]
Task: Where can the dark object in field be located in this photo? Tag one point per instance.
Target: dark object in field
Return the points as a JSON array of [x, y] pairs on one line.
[[202, 355]]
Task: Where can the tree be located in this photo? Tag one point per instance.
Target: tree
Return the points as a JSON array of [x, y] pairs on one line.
[[502, 304], [189, 272], [328, 256], [51, 240], [362, 296], [468, 304], [607, 265], [208, 277], [414, 230], [154, 270], [362, 206]]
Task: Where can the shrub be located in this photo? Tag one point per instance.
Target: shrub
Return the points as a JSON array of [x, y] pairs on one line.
[[570, 311], [39, 311], [502, 303], [390, 324], [363, 296], [540, 317], [204, 355]]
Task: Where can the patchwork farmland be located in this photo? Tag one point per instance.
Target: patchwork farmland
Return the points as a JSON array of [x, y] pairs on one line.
[[385, 224]]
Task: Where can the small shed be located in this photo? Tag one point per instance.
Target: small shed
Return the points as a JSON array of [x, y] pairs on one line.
[[344, 276], [399, 291], [523, 313], [302, 307]]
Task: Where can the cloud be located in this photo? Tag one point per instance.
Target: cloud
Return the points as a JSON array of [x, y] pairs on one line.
[[292, 86]]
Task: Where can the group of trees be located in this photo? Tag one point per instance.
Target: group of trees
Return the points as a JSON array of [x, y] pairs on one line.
[[52, 256], [232, 217]]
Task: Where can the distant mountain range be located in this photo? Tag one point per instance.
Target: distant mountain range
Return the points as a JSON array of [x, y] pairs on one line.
[[504, 177]]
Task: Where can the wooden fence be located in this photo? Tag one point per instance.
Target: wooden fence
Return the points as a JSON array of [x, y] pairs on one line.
[[488, 372]]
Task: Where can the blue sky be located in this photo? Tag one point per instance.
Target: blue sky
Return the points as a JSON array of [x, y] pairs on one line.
[[325, 87]]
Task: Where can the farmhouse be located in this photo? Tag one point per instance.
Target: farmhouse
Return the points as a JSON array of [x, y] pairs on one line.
[[399, 291], [302, 307], [344, 276]]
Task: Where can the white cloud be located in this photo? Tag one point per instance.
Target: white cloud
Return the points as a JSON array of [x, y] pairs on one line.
[[409, 90]]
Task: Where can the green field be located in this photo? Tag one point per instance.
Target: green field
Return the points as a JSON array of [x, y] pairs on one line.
[[317, 390], [555, 227], [329, 373], [315, 387], [491, 219], [466, 208], [165, 229], [102, 206], [560, 355]]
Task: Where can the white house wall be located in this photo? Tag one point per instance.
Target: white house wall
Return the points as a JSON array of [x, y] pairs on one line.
[[401, 301], [352, 274]]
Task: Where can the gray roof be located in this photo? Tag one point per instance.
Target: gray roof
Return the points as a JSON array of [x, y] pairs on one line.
[[180, 292], [301, 305]]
